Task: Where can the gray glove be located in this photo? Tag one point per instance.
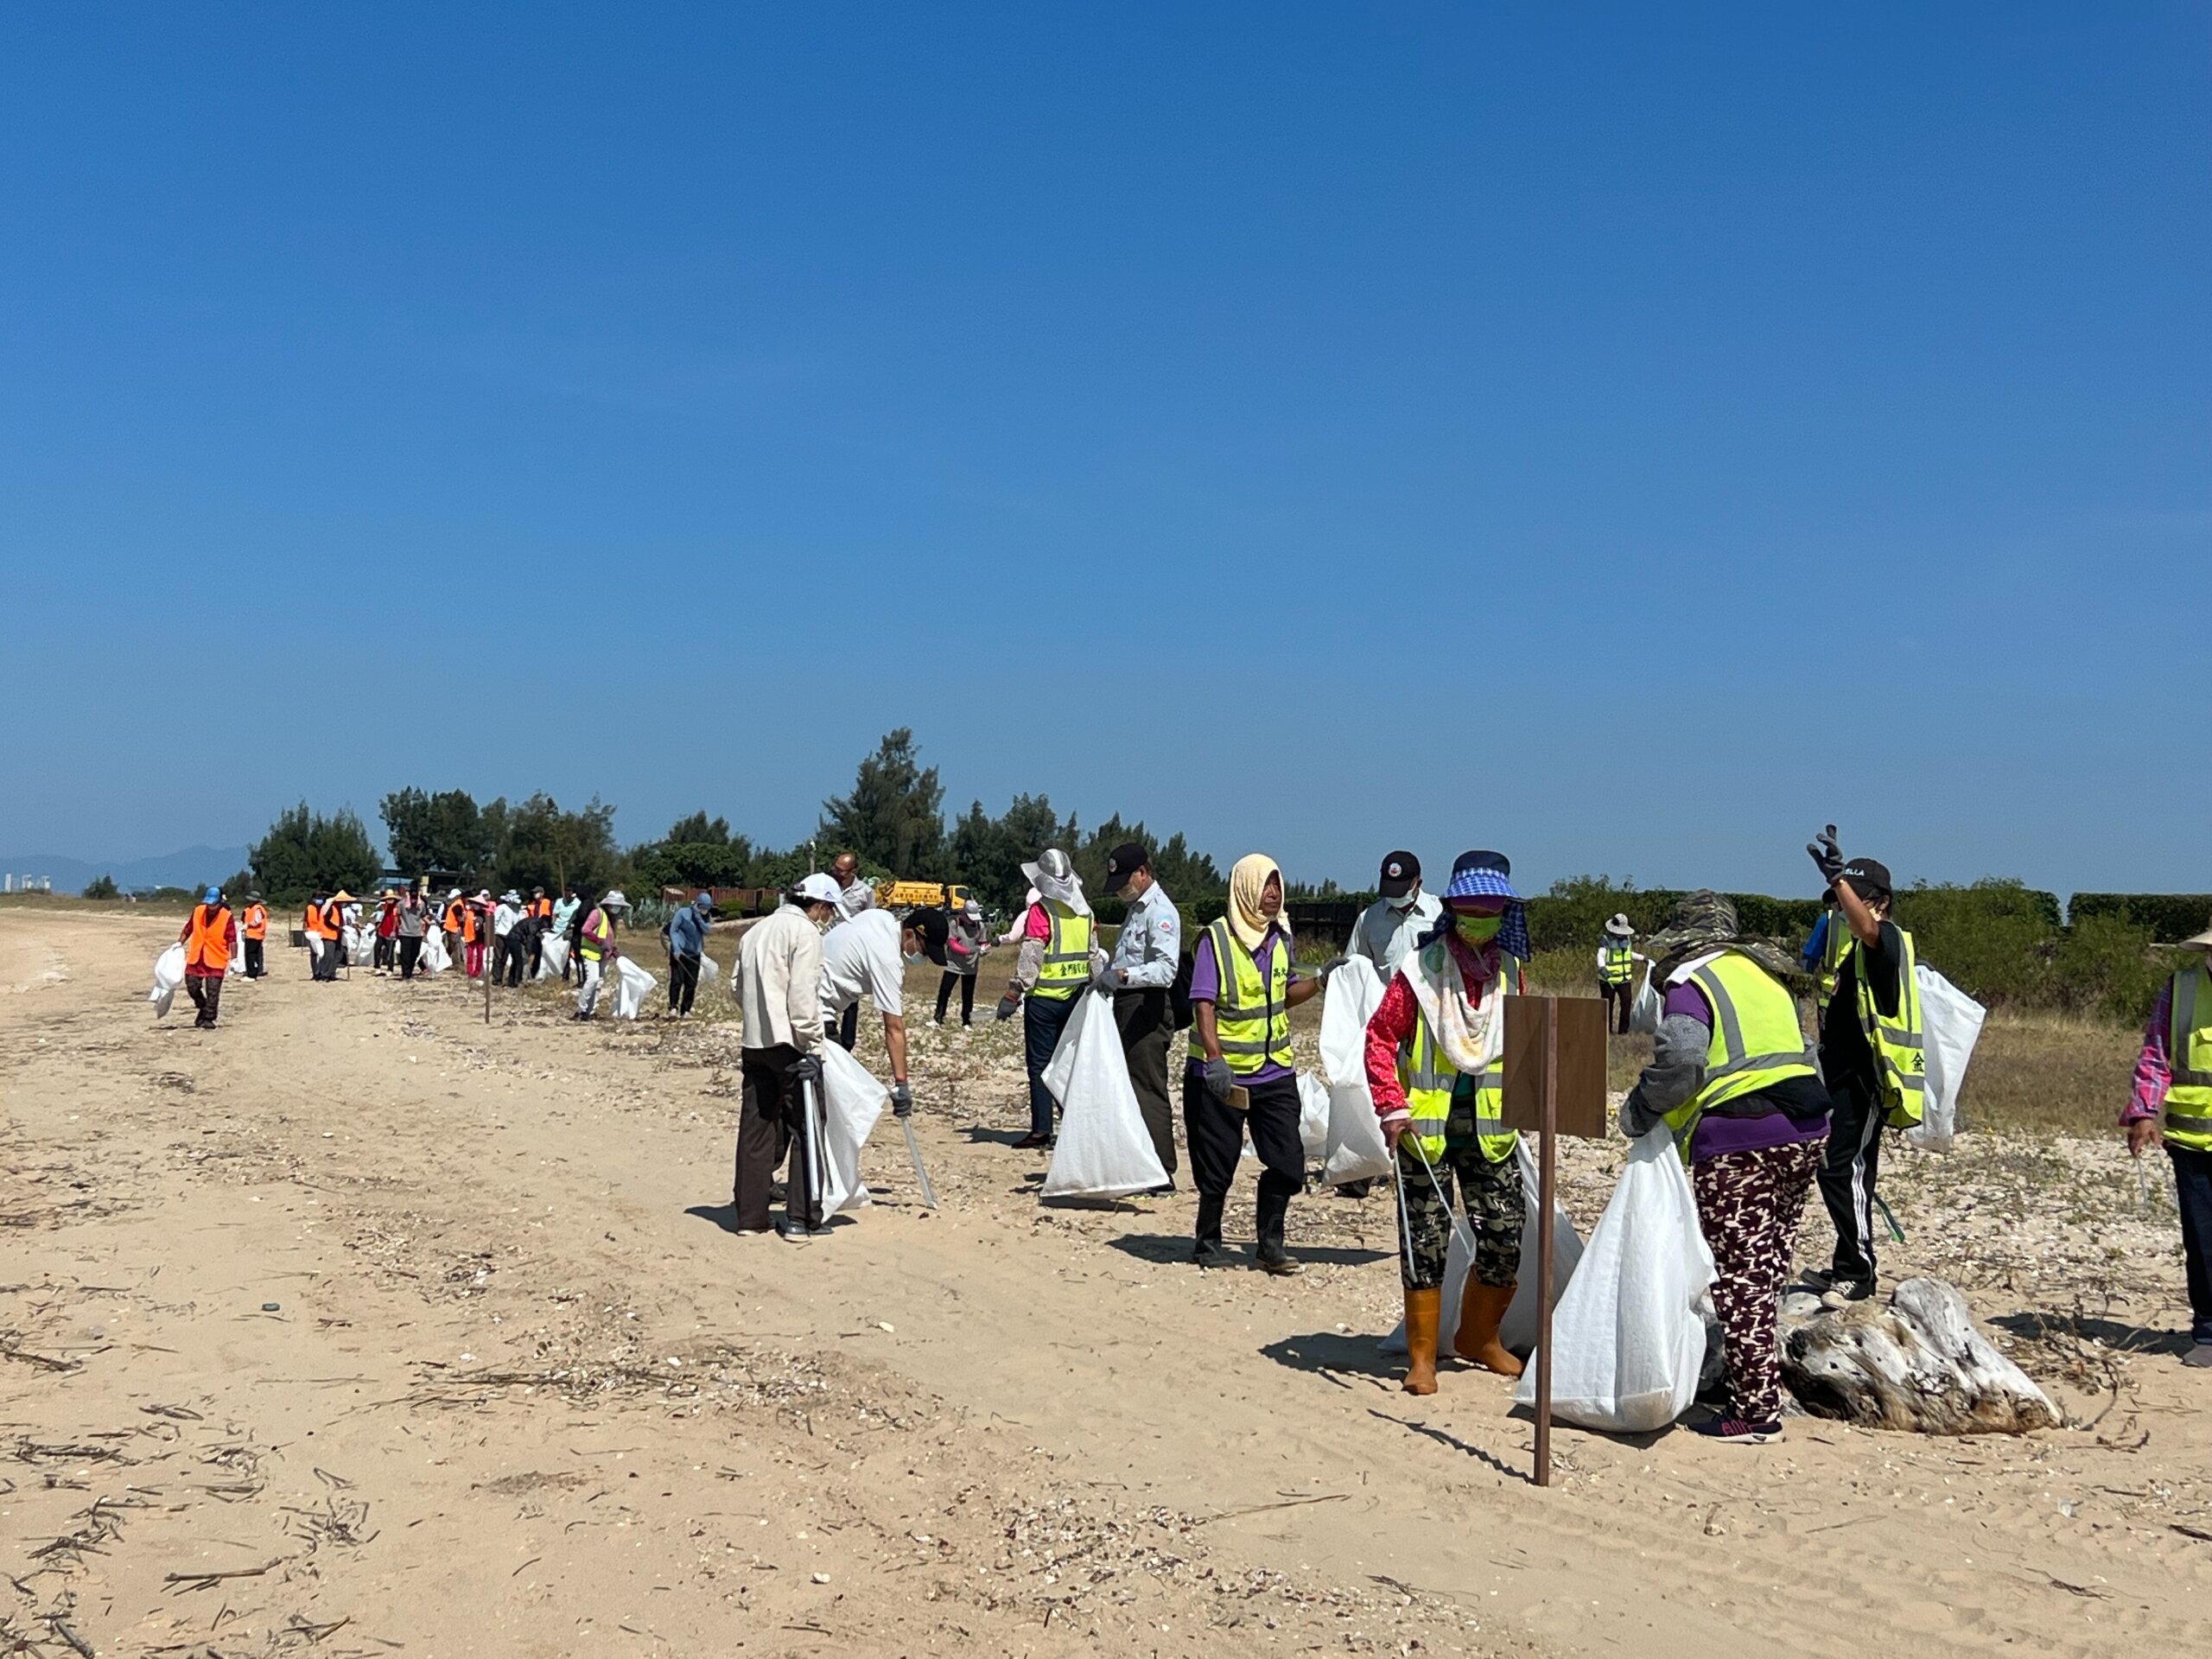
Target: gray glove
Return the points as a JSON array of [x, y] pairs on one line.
[[806, 1069], [1824, 852], [902, 1100], [1219, 1080], [1330, 966], [1106, 979], [1007, 1004]]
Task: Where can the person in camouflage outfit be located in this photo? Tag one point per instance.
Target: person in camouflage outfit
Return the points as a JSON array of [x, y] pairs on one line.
[[1496, 1208]]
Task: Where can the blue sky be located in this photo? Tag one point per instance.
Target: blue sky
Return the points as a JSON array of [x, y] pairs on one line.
[[1627, 437]]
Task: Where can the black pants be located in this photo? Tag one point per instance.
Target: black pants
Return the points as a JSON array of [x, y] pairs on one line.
[[1146, 1025], [408, 951], [207, 995], [537, 946], [848, 1028], [967, 983], [1217, 1136], [1622, 1000], [382, 954], [255, 967], [1847, 1172], [682, 983], [513, 948], [772, 1121], [456, 953], [573, 967], [2193, 1191], [327, 961]]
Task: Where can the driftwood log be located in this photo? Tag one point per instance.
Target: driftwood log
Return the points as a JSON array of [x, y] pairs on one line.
[[1917, 1364]]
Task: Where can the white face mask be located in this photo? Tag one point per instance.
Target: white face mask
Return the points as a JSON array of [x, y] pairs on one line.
[[914, 959]]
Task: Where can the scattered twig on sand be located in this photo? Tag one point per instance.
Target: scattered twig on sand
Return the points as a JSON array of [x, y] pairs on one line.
[[208, 1580], [1260, 1509], [44, 1362]]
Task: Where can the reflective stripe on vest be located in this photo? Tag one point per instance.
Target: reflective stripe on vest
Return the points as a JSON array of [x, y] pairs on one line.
[[1757, 1041], [1430, 1080], [2188, 1056], [1066, 968], [1620, 964], [210, 944], [1900, 1061], [594, 945], [1251, 1014], [1834, 943]]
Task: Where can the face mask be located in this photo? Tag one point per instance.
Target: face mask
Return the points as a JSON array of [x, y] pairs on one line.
[[913, 958], [1477, 930]]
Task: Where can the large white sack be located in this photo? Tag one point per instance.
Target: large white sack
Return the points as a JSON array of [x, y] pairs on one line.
[[853, 1098], [168, 974], [1644, 1013], [632, 985], [435, 958], [360, 946], [1313, 1116], [1518, 1330], [1104, 1150], [552, 956], [314, 949], [710, 972], [1628, 1337], [1950, 1026], [1355, 1149]]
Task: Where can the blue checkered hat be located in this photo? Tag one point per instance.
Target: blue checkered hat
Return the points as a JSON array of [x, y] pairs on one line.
[[1488, 875]]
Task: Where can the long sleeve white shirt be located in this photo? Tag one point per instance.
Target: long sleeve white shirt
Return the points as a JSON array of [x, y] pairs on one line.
[[778, 981]]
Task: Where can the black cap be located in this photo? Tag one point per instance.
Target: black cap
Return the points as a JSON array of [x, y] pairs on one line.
[[1401, 870], [935, 928], [1869, 878], [1124, 861]]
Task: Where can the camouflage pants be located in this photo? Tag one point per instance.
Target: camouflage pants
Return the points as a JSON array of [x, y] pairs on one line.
[[1489, 1193]]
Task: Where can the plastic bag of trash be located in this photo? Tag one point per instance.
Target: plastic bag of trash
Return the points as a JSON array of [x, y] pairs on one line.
[[552, 956], [168, 974], [1950, 1024], [1644, 1013], [710, 972], [852, 1099], [1104, 1150], [360, 946], [632, 985], [1518, 1330], [1354, 1150], [433, 957], [1628, 1337], [1313, 1116]]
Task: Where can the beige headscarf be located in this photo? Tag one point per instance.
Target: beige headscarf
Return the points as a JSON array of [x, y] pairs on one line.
[[1246, 883]]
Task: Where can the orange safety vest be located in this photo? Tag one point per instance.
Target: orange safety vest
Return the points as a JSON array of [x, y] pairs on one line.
[[208, 950], [468, 924], [453, 916], [334, 920], [542, 909], [256, 921], [313, 923]]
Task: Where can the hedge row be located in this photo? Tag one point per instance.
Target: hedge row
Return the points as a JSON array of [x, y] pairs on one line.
[[2171, 917]]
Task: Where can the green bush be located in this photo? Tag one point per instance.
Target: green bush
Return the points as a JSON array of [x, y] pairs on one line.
[[2170, 917], [2105, 965], [1996, 940], [100, 886]]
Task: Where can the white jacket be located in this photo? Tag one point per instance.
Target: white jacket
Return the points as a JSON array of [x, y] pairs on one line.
[[778, 981]]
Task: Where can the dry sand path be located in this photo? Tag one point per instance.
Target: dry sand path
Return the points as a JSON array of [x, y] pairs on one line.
[[521, 1393]]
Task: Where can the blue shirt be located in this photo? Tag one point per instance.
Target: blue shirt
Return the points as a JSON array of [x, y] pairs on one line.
[[687, 931]]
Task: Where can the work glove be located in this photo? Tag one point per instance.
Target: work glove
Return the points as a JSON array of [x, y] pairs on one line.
[[902, 1100], [1106, 979], [1219, 1080], [1330, 966], [806, 1069], [1824, 852], [1008, 1003]]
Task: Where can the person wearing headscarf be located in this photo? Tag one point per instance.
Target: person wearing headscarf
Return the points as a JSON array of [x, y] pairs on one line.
[[1734, 1080], [1057, 961], [1244, 983], [1435, 1065]]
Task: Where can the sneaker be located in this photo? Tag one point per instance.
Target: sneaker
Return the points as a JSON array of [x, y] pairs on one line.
[[1208, 1253], [1734, 1430], [798, 1232], [1841, 1292], [1030, 1141]]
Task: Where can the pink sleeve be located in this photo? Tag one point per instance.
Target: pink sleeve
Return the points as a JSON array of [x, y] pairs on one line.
[[1391, 1023], [1041, 925], [2153, 1070]]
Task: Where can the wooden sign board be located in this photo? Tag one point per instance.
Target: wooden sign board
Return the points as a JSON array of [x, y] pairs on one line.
[[1582, 1059]]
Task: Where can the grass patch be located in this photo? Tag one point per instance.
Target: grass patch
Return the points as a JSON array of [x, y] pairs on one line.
[[2050, 1074]]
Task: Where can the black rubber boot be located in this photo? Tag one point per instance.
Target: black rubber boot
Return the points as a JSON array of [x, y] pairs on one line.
[[1274, 1207], [1208, 1252]]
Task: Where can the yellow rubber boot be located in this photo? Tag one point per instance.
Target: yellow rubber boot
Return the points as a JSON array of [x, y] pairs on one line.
[[1423, 1309], [1481, 1310]]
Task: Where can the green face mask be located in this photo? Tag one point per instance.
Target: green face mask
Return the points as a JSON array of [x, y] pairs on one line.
[[1477, 930]]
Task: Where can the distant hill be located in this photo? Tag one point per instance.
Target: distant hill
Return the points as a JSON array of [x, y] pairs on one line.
[[194, 867]]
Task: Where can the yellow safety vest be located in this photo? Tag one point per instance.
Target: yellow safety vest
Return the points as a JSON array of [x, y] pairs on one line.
[[1757, 1041], [1620, 964], [1251, 1014], [1900, 1061], [2189, 1058], [592, 949], [1834, 943], [1429, 1078], [1067, 955]]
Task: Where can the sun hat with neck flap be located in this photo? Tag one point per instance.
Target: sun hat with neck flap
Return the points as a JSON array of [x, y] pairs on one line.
[[1487, 876]]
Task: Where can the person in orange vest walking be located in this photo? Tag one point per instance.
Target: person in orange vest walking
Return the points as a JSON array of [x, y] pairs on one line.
[[208, 938], [334, 935], [255, 933], [451, 927]]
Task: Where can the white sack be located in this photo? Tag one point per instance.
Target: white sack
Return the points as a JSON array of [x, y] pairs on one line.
[[1354, 1150], [553, 956], [853, 1098], [1950, 1024], [1313, 1116], [314, 949], [435, 958], [1104, 1150], [1628, 1337], [1518, 1330], [1644, 1013], [632, 985], [360, 946], [168, 974], [710, 972]]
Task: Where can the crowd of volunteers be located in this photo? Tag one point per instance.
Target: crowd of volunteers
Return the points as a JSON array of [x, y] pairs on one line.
[[1758, 1111]]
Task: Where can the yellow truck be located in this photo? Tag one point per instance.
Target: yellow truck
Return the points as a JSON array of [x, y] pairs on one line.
[[894, 894]]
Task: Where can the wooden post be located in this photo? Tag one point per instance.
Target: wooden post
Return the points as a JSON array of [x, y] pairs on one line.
[[487, 991], [1547, 1181]]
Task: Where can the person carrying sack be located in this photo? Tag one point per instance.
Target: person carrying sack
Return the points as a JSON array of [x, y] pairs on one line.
[[2173, 1082], [1059, 957], [966, 941], [595, 946], [210, 934], [1436, 1067], [1733, 1080], [1244, 985], [1140, 978], [777, 980]]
